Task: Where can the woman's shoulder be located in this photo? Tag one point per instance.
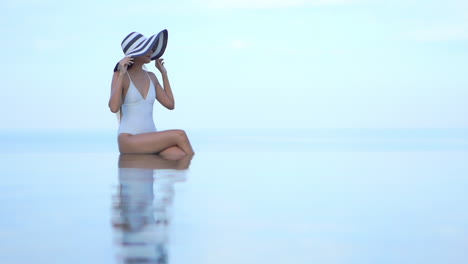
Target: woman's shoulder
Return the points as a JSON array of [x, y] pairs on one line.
[[117, 73], [152, 76], [151, 73]]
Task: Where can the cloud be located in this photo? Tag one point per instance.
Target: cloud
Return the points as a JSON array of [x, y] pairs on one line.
[[46, 45], [440, 33], [238, 44], [271, 3], [439, 21]]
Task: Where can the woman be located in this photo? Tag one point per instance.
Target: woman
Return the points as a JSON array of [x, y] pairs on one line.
[[134, 91]]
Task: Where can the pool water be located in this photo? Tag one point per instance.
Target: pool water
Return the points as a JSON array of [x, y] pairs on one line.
[[243, 198]]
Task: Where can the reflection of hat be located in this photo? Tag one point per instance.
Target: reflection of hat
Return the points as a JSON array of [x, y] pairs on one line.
[[135, 44]]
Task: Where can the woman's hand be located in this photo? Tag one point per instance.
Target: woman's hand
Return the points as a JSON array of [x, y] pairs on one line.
[[160, 65], [124, 63]]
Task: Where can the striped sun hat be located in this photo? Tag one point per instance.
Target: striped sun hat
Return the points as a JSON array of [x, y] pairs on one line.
[[135, 44]]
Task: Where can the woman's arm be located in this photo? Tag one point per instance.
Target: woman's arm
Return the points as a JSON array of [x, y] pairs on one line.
[[164, 95], [115, 101]]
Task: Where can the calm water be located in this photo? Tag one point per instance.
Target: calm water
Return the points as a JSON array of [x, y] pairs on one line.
[[321, 196]]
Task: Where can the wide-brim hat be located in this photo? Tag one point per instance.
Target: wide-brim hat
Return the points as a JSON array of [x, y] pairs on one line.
[[135, 45]]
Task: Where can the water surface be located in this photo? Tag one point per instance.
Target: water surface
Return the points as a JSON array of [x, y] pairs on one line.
[[244, 198]]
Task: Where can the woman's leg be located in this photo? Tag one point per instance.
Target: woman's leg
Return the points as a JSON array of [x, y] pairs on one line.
[[151, 161], [172, 153], [155, 142]]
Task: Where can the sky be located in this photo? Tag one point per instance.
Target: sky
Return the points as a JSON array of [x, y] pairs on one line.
[[244, 64]]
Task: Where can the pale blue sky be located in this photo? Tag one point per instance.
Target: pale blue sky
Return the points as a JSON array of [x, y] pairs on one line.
[[242, 64]]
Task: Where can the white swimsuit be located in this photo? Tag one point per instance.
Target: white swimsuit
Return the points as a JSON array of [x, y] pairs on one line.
[[137, 112]]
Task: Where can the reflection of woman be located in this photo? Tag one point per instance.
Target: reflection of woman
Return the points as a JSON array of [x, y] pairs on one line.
[[141, 216], [134, 91]]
